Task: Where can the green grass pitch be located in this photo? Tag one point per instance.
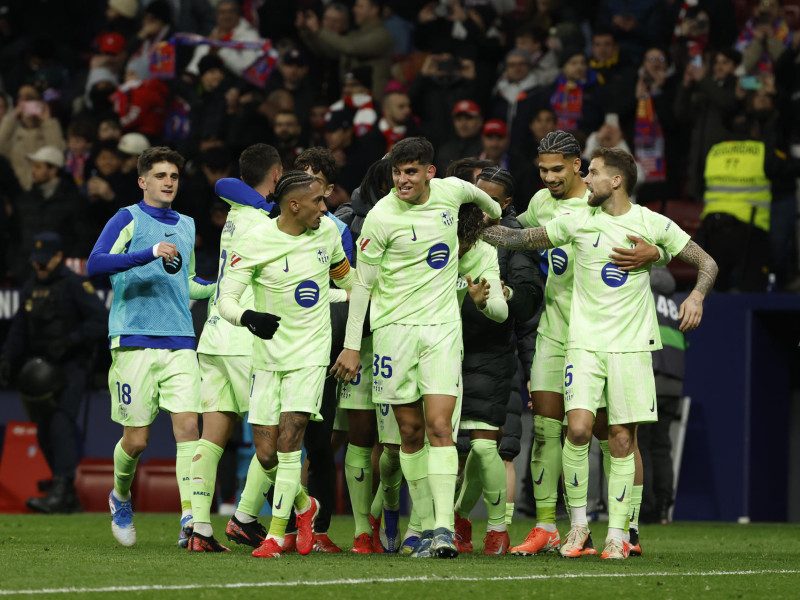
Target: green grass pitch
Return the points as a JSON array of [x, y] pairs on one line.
[[57, 556]]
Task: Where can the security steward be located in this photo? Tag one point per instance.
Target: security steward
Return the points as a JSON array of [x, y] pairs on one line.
[[51, 338]]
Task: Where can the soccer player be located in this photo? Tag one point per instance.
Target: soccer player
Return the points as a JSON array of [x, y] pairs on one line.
[[288, 261], [612, 331], [565, 193], [405, 257], [225, 356], [148, 251]]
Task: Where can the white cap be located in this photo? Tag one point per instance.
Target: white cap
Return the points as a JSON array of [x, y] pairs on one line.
[[50, 155], [133, 143]]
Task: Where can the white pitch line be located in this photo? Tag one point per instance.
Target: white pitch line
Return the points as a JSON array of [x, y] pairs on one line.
[[427, 579]]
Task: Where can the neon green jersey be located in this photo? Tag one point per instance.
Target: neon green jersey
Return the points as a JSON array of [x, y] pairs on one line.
[[416, 247], [613, 310], [542, 209], [220, 338], [290, 278], [479, 261]]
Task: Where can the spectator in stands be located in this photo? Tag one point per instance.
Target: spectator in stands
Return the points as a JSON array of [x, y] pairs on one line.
[[96, 103], [141, 104], [524, 158], [80, 135], [109, 129], [494, 141], [513, 98], [130, 146], [706, 104], [194, 16], [121, 18], [51, 204], [467, 123], [616, 73], [544, 62], [107, 188], [230, 26], [207, 101], [370, 45], [396, 122], [765, 37], [292, 75], [287, 138], [353, 154], [156, 27], [635, 24], [25, 130], [52, 340], [357, 97]]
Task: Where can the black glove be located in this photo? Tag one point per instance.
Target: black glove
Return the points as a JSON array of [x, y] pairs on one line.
[[264, 325]]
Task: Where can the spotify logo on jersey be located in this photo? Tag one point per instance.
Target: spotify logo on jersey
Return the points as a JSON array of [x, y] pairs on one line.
[[438, 256], [306, 294], [613, 276], [559, 260], [174, 265]]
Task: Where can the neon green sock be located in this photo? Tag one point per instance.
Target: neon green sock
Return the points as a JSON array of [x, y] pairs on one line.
[[509, 513], [391, 477], [358, 474], [124, 470], [203, 475], [442, 472], [493, 480], [301, 500], [470, 486], [287, 484], [256, 486], [414, 522], [575, 461], [415, 470], [606, 458], [620, 490], [277, 528], [636, 505], [376, 507], [546, 467], [183, 465]]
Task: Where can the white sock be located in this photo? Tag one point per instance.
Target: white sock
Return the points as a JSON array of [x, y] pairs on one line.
[[120, 498], [243, 517], [204, 529], [614, 534], [579, 516], [500, 527], [549, 527]]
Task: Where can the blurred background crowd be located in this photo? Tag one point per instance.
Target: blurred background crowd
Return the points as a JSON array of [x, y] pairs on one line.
[[702, 92]]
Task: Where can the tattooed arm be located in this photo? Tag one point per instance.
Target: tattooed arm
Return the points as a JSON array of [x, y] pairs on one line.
[[692, 308], [517, 239]]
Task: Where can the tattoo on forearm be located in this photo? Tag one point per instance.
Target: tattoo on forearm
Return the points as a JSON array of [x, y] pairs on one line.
[[517, 239], [707, 269]]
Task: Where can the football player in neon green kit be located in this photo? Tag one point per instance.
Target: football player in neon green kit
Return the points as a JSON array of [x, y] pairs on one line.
[[612, 331], [288, 261], [406, 258]]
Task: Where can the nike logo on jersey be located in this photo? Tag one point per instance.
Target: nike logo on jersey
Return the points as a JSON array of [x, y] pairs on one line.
[[653, 407], [170, 234], [597, 242], [361, 478], [541, 476], [621, 498], [286, 270], [414, 234]]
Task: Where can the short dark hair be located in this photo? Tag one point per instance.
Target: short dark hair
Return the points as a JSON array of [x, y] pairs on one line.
[[560, 142], [291, 181], [604, 31], [83, 128], [255, 163], [499, 176], [619, 160], [377, 182], [470, 224], [463, 168], [157, 154], [413, 149], [319, 160], [536, 33]]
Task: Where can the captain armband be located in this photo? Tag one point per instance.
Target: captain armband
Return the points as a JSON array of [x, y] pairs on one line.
[[340, 269]]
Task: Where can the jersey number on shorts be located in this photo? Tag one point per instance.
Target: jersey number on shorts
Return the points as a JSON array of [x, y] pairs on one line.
[[222, 259], [357, 379], [124, 393], [382, 364], [567, 376]]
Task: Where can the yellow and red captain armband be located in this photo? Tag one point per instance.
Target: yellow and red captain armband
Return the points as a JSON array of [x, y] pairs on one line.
[[340, 269]]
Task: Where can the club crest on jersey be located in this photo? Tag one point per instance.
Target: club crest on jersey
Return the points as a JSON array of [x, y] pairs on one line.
[[438, 256], [461, 283], [230, 227], [323, 256], [559, 261], [447, 218], [306, 294], [613, 276]]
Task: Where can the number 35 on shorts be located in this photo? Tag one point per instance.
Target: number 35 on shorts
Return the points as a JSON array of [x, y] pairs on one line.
[[567, 383], [382, 365]]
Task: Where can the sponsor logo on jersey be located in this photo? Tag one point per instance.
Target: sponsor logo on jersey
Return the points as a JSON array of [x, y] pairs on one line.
[[438, 256], [558, 261], [306, 294], [235, 258], [364, 243], [447, 218], [613, 276], [322, 256], [174, 265]]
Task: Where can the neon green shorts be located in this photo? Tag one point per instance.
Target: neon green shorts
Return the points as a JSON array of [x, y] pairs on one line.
[[470, 424], [547, 372], [414, 360], [276, 392], [225, 383], [622, 381], [357, 395], [142, 380]]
